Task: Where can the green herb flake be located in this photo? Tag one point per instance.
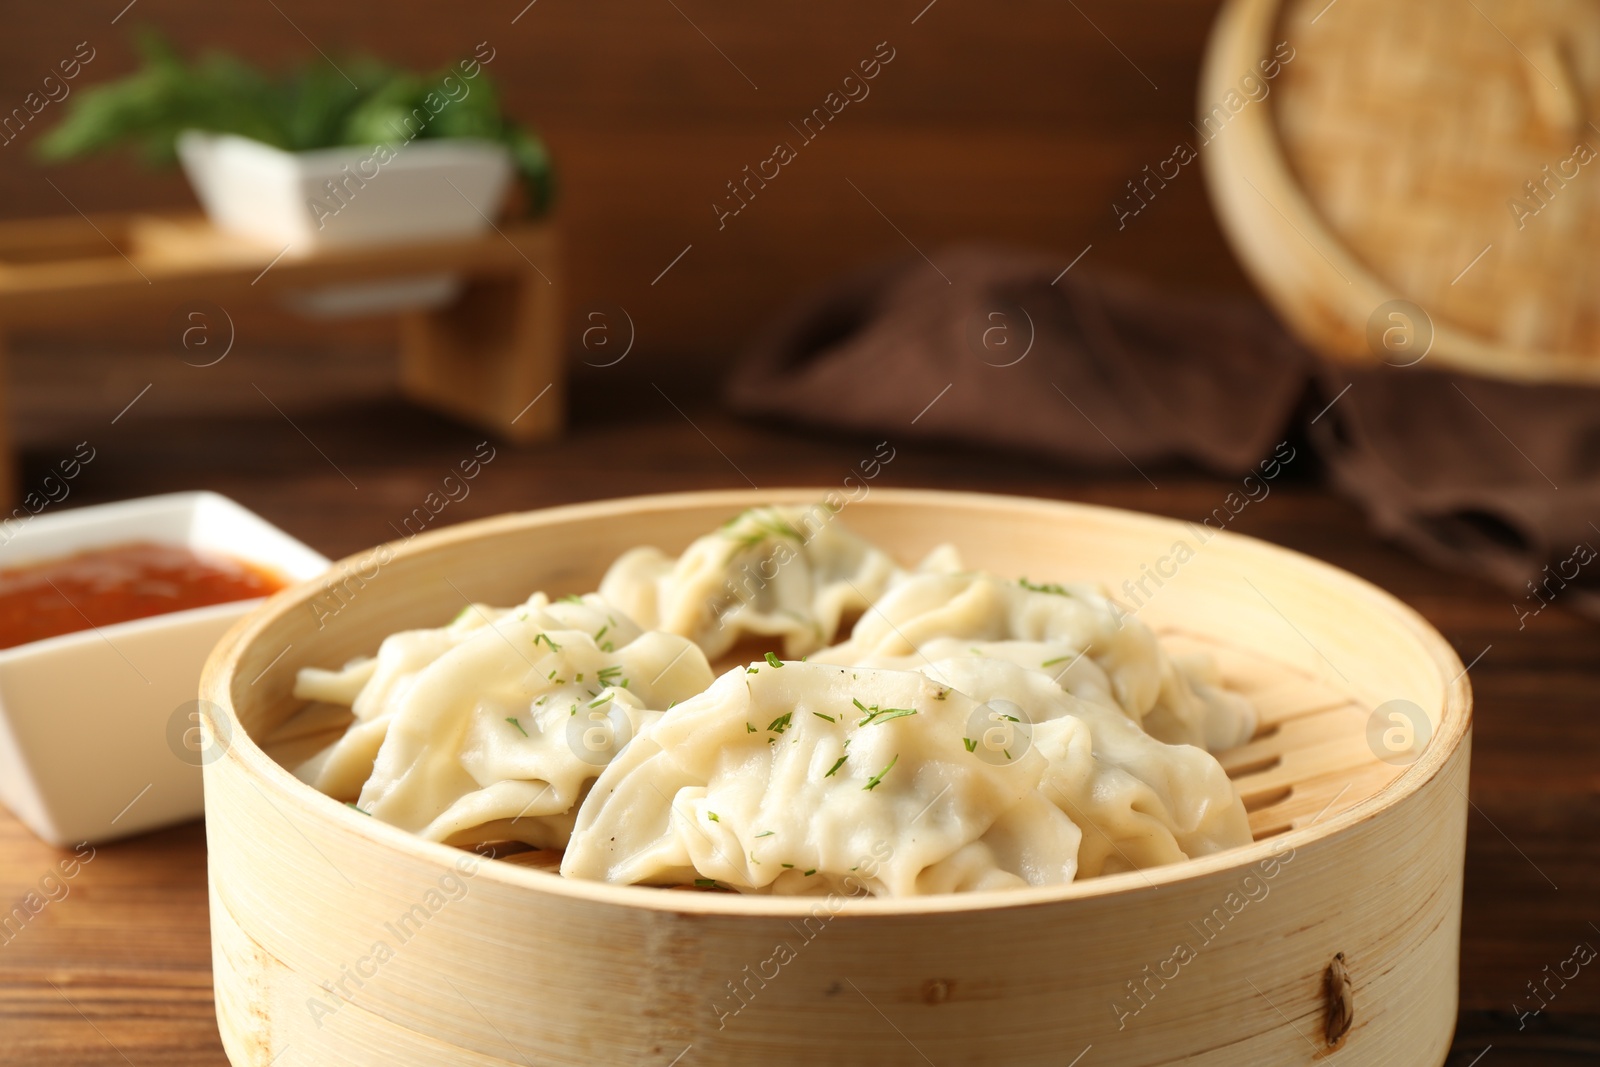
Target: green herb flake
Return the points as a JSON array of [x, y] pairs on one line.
[[809, 873], [517, 724], [1048, 587], [836, 765], [972, 746], [790, 866], [876, 715], [713, 816], [752, 670], [749, 728], [781, 723], [546, 639], [706, 883], [347, 804], [877, 778], [819, 715], [766, 833], [856, 702], [773, 660], [1053, 662]]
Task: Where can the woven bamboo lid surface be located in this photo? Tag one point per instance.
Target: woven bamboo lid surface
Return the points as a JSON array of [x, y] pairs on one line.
[[1415, 180]]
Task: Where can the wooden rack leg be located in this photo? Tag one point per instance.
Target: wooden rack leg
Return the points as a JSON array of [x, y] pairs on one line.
[[491, 355]]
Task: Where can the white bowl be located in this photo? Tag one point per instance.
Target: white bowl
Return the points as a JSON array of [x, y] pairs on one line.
[[428, 190], [95, 736]]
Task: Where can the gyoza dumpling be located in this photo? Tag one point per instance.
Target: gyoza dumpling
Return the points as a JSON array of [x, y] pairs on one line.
[[1055, 624], [809, 778], [498, 736], [1140, 802], [372, 687], [789, 572]]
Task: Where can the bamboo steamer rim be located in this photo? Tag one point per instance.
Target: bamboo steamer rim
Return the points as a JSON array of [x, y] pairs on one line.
[[1303, 267], [1454, 722]]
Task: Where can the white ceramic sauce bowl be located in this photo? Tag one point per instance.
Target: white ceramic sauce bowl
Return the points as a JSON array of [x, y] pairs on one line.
[[96, 741]]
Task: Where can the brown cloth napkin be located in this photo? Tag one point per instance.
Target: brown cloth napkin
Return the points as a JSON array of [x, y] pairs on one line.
[[1001, 348]]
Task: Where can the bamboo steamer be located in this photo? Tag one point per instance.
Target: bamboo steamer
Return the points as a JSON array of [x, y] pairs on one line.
[[1418, 179], [1356, 860]]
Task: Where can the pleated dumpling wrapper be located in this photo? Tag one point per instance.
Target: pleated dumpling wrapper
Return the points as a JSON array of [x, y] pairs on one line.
[[927, 616], [499, 736], [807, 778], [1140, 802], [372, 686], [790, 572]]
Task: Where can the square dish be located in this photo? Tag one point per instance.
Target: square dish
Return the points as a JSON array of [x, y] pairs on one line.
[[95, 734], [1337, 928]]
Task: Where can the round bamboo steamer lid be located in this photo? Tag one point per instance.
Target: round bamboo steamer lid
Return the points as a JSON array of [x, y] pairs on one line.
[[1418, 179], [1345, 912]]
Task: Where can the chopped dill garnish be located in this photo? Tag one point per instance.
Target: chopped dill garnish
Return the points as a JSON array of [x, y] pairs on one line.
[[1047, 587], [766, 833], [601, 699], [518, 725], [713, 816], [546, 639], [752, 670], [819, 715], [773, 660], [368, 814], [574, 710], [836, 765], [873, 784], [789, 865], [972, 746], [749, 728], [767, 524], [706, 883], [781, 723], [579, 678], [809, 873], [858, 703], [876, 715], [601, 632], [1053, 662], [607, 675]]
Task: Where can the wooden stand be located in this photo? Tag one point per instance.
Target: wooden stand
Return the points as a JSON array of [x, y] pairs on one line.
[[484, 359]]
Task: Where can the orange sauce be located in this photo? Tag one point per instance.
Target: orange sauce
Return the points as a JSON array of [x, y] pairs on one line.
[[120, 582]]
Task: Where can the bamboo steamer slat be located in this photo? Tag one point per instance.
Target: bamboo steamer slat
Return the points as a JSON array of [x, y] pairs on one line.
[[1387, 159], [522, 966]]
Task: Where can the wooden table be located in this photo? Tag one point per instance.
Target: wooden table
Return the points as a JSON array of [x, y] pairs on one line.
[[118, 971], [485, 358]]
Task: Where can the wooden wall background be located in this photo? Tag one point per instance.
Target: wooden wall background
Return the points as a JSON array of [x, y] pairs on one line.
[[1016, 123]]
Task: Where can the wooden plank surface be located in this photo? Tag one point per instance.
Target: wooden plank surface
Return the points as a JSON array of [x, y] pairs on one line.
[[117, 971]]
